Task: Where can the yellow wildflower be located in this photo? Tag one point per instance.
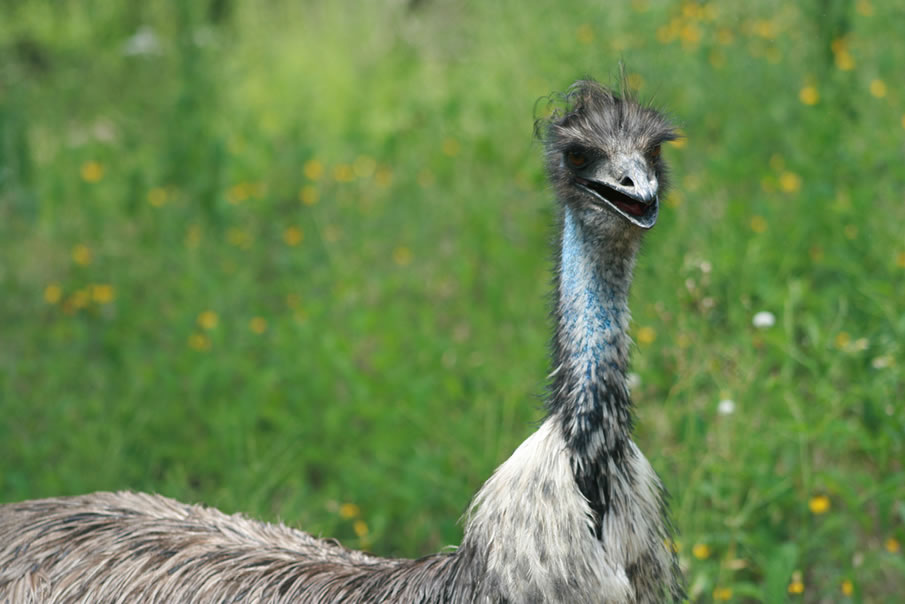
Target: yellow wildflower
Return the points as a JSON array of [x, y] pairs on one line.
[[892, 545], [349, 510], [809, 95], [635, 81], [208, 319], [402, 255], [765, 28], [878, 88], [819, 504], [313, 169], [847, 587], [293, 236], [361, 528], [343, 173], [722, 594], [844, 61], [665, 34], [364, 166], [238, 237], [585, 34], [724, 36], [864, 8], [451, 147], [900, 259], [701, 551], [790, 182], [193, 236], [53, 293], [691, 10], [690, 35], [674, 199], [258, 325], [238, 193], [758, 224], [102, 293], [199, 341], [79, 298], [796, 587], [681, 141], [82, 255], [646, 335], [717, 59], [383, 177], [157, 196], [308, 195], [92, 171], [426, 178]]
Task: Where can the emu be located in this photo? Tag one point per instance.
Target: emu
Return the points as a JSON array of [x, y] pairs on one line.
[[576, 514]]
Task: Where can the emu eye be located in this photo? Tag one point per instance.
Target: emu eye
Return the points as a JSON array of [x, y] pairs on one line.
[[576, 158], [654, 153]]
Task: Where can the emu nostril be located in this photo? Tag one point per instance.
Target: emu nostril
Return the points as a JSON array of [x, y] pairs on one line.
[[626, 182]]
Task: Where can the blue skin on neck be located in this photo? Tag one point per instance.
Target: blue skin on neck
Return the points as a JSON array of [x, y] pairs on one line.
[[591, 307], [590, 398]]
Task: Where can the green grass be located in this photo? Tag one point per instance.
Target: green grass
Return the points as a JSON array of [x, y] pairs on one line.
[[405, 345]]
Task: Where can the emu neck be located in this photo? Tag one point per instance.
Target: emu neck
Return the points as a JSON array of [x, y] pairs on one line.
[[590, 397]]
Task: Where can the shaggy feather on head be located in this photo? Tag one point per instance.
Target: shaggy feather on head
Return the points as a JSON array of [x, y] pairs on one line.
[[590, 109], [602, 150]]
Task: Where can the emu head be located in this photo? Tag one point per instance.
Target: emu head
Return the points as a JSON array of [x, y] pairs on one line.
[[603, 157]]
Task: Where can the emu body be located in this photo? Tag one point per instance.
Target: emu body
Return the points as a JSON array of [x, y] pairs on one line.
[[576, 514]]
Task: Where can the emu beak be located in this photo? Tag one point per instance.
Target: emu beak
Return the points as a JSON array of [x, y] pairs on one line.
[[640, 207]]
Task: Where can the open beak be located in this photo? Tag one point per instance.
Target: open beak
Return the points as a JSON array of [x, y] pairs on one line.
[[638, 207]]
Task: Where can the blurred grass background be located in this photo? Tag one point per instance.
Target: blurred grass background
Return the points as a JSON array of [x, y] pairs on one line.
[[292, 259]]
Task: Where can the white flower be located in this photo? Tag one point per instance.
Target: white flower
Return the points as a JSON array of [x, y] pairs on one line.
[[726, 407], [764, 319], [860, 344], [142, 42], [633, 380], [204, 36], [882, 362]]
